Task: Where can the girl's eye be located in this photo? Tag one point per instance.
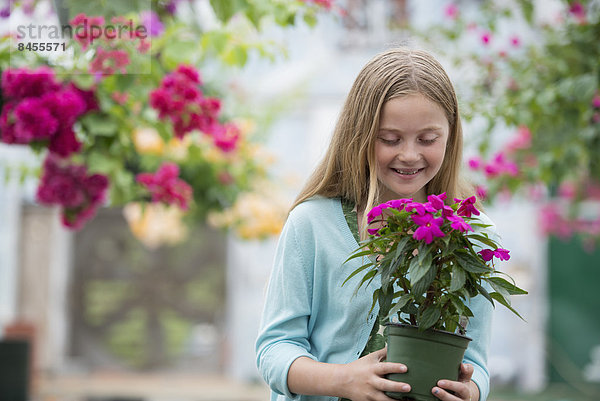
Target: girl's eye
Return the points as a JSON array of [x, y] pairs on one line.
[[426, 141], [389, 141]]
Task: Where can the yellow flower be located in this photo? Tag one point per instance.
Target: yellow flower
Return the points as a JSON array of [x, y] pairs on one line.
[[155, 224], [254, 216], [148, 141]]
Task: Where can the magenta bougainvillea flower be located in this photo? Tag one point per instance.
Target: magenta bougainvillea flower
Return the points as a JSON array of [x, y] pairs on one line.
[[596, 101], [165, 186], [451, 11], [226, 137], [69, 186], [20, 83], [577, 10], [109, 62], [181, 100], [485, 37], [86, 28], [152, 23], [475, 163], [38, 109], [328, 4]]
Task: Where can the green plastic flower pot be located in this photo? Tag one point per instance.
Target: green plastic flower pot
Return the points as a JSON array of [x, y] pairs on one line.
[[430, 355]]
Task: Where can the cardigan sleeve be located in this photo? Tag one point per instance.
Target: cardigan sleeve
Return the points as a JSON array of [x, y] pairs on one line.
[[283, 334], [480, 327]]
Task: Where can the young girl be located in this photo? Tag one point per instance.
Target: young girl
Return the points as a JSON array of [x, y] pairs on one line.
[[398, 136]]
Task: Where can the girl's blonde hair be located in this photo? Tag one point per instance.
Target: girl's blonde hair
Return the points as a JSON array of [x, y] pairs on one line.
[[349, 168]]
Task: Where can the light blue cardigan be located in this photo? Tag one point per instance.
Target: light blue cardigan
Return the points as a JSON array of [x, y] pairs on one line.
[[309, 313]]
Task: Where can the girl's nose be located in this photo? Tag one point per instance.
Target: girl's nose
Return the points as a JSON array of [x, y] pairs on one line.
[[408, 154]]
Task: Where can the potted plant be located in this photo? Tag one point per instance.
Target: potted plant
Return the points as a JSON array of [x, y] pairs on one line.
[[431, 258]]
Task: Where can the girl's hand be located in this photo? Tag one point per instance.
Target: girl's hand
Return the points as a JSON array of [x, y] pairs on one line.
[[364, 379], [463, 389]]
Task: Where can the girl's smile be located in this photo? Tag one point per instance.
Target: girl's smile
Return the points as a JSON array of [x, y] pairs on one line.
[[411, 145]]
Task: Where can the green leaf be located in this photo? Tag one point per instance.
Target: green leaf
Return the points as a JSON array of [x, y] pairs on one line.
[[310, 19], [429, 317], [485, 293], [404, 299], [458, 278], [235, 56], [100, 125], [471, 263], [420, 265], [180, 52], [357, 271], [509, 287], [225, 9], [421, 286], [367, 277], [498, 297], [358, 255], [400, 247], [483, 239]]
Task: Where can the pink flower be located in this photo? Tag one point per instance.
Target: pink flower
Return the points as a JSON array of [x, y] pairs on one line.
[[190, 72], [486, 37], [475, 163], [596, 101], [376, 212], [567, 190], [165, 186], [552, 221], [515, 41], [87, 96], [20, 83], [86, 29], [500, 165], [180, 100], [227, 137], [522, 139], [64, 142], [373, 231], [437, 201], [429, 227], [323, 3], [109, 62], [467, 207], [502, 254], [486, 254], [33, 121], [451, 11], [152, 23], [458, 223], [71, 187], [578, 11], [481, 192], [119, 97], [398, 203], [65, 105], [420, 208]]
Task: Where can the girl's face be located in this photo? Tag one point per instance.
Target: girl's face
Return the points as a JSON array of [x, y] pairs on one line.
[[410, 146]]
